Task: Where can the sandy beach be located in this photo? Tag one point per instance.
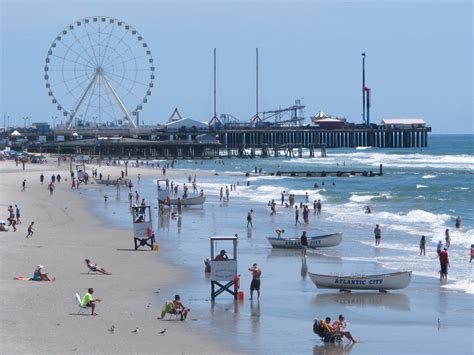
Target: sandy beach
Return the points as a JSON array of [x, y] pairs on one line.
[[40, 317]]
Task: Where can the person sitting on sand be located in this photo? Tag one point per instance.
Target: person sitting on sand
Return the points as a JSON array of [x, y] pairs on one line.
[[89, 301], [96, 268], [41, 276], [326, 324], [180, 308], [340, 325]]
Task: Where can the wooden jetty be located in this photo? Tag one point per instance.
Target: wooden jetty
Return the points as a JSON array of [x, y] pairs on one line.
[[338, 173]]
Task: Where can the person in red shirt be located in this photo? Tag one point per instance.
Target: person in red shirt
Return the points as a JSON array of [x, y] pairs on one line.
[[444, 263]]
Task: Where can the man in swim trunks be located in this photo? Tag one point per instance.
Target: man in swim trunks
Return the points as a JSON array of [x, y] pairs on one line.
[[377, 234], [255, 284], [444, 263]]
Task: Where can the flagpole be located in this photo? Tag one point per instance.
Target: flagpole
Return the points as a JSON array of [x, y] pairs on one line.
[[363, 87]]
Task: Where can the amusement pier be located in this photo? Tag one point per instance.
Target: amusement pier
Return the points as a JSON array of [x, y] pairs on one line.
[[101, 107]]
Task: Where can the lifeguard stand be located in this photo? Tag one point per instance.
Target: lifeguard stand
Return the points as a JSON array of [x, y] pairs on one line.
[[142, 227], [223, 271], [81, 172]]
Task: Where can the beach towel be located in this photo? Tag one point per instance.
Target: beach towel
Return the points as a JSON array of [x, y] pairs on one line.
[[21, 278]]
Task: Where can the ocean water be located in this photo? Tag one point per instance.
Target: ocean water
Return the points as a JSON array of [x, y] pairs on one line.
[[421, 193]]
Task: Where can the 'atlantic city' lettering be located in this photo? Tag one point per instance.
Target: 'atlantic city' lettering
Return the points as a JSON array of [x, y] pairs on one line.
[[298, 243], [358, 282]]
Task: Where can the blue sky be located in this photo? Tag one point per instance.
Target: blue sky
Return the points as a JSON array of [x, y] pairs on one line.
[[419, 56]]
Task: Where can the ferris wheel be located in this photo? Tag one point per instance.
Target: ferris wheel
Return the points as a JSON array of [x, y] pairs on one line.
[[101, 69]]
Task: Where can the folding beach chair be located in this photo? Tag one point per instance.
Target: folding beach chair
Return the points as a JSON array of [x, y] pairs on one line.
[[82, 307], [91, 269], [170, 309]]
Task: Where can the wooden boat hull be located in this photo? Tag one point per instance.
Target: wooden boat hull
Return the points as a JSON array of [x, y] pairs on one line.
[[321, 241], [191, 201], [382, 282]]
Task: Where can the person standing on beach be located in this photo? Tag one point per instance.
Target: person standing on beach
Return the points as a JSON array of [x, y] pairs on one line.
[[53, 178], [73, 183], [11, 218], [319, 206], [17, 213], [423, 245], [139, 178], [306, 197], [30, 230], [58, 178], [315, 206], [89, 301], [273, 208], [255, 284], [41, 178], [304, 244], [51, 188], [282, 198], [249, 219], [137, 197], [297, 216], [444, 263], [377, 234], [221, 194], [447, 238], [227, 193], [439, 247], [23, 185]]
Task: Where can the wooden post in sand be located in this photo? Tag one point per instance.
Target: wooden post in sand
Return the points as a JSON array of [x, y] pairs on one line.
[[223, 269]]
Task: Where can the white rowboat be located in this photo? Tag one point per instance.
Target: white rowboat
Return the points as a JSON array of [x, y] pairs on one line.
[[382, 282], [123, 182], [320, 241], [190, 201]]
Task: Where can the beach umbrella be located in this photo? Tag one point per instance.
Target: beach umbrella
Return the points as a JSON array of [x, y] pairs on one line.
[[40, 157], [15, 133]]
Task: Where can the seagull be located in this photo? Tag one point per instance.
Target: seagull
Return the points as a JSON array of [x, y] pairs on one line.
[[158, 291], [163, 332], [112, 328], [148, 305], [135, 331]]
